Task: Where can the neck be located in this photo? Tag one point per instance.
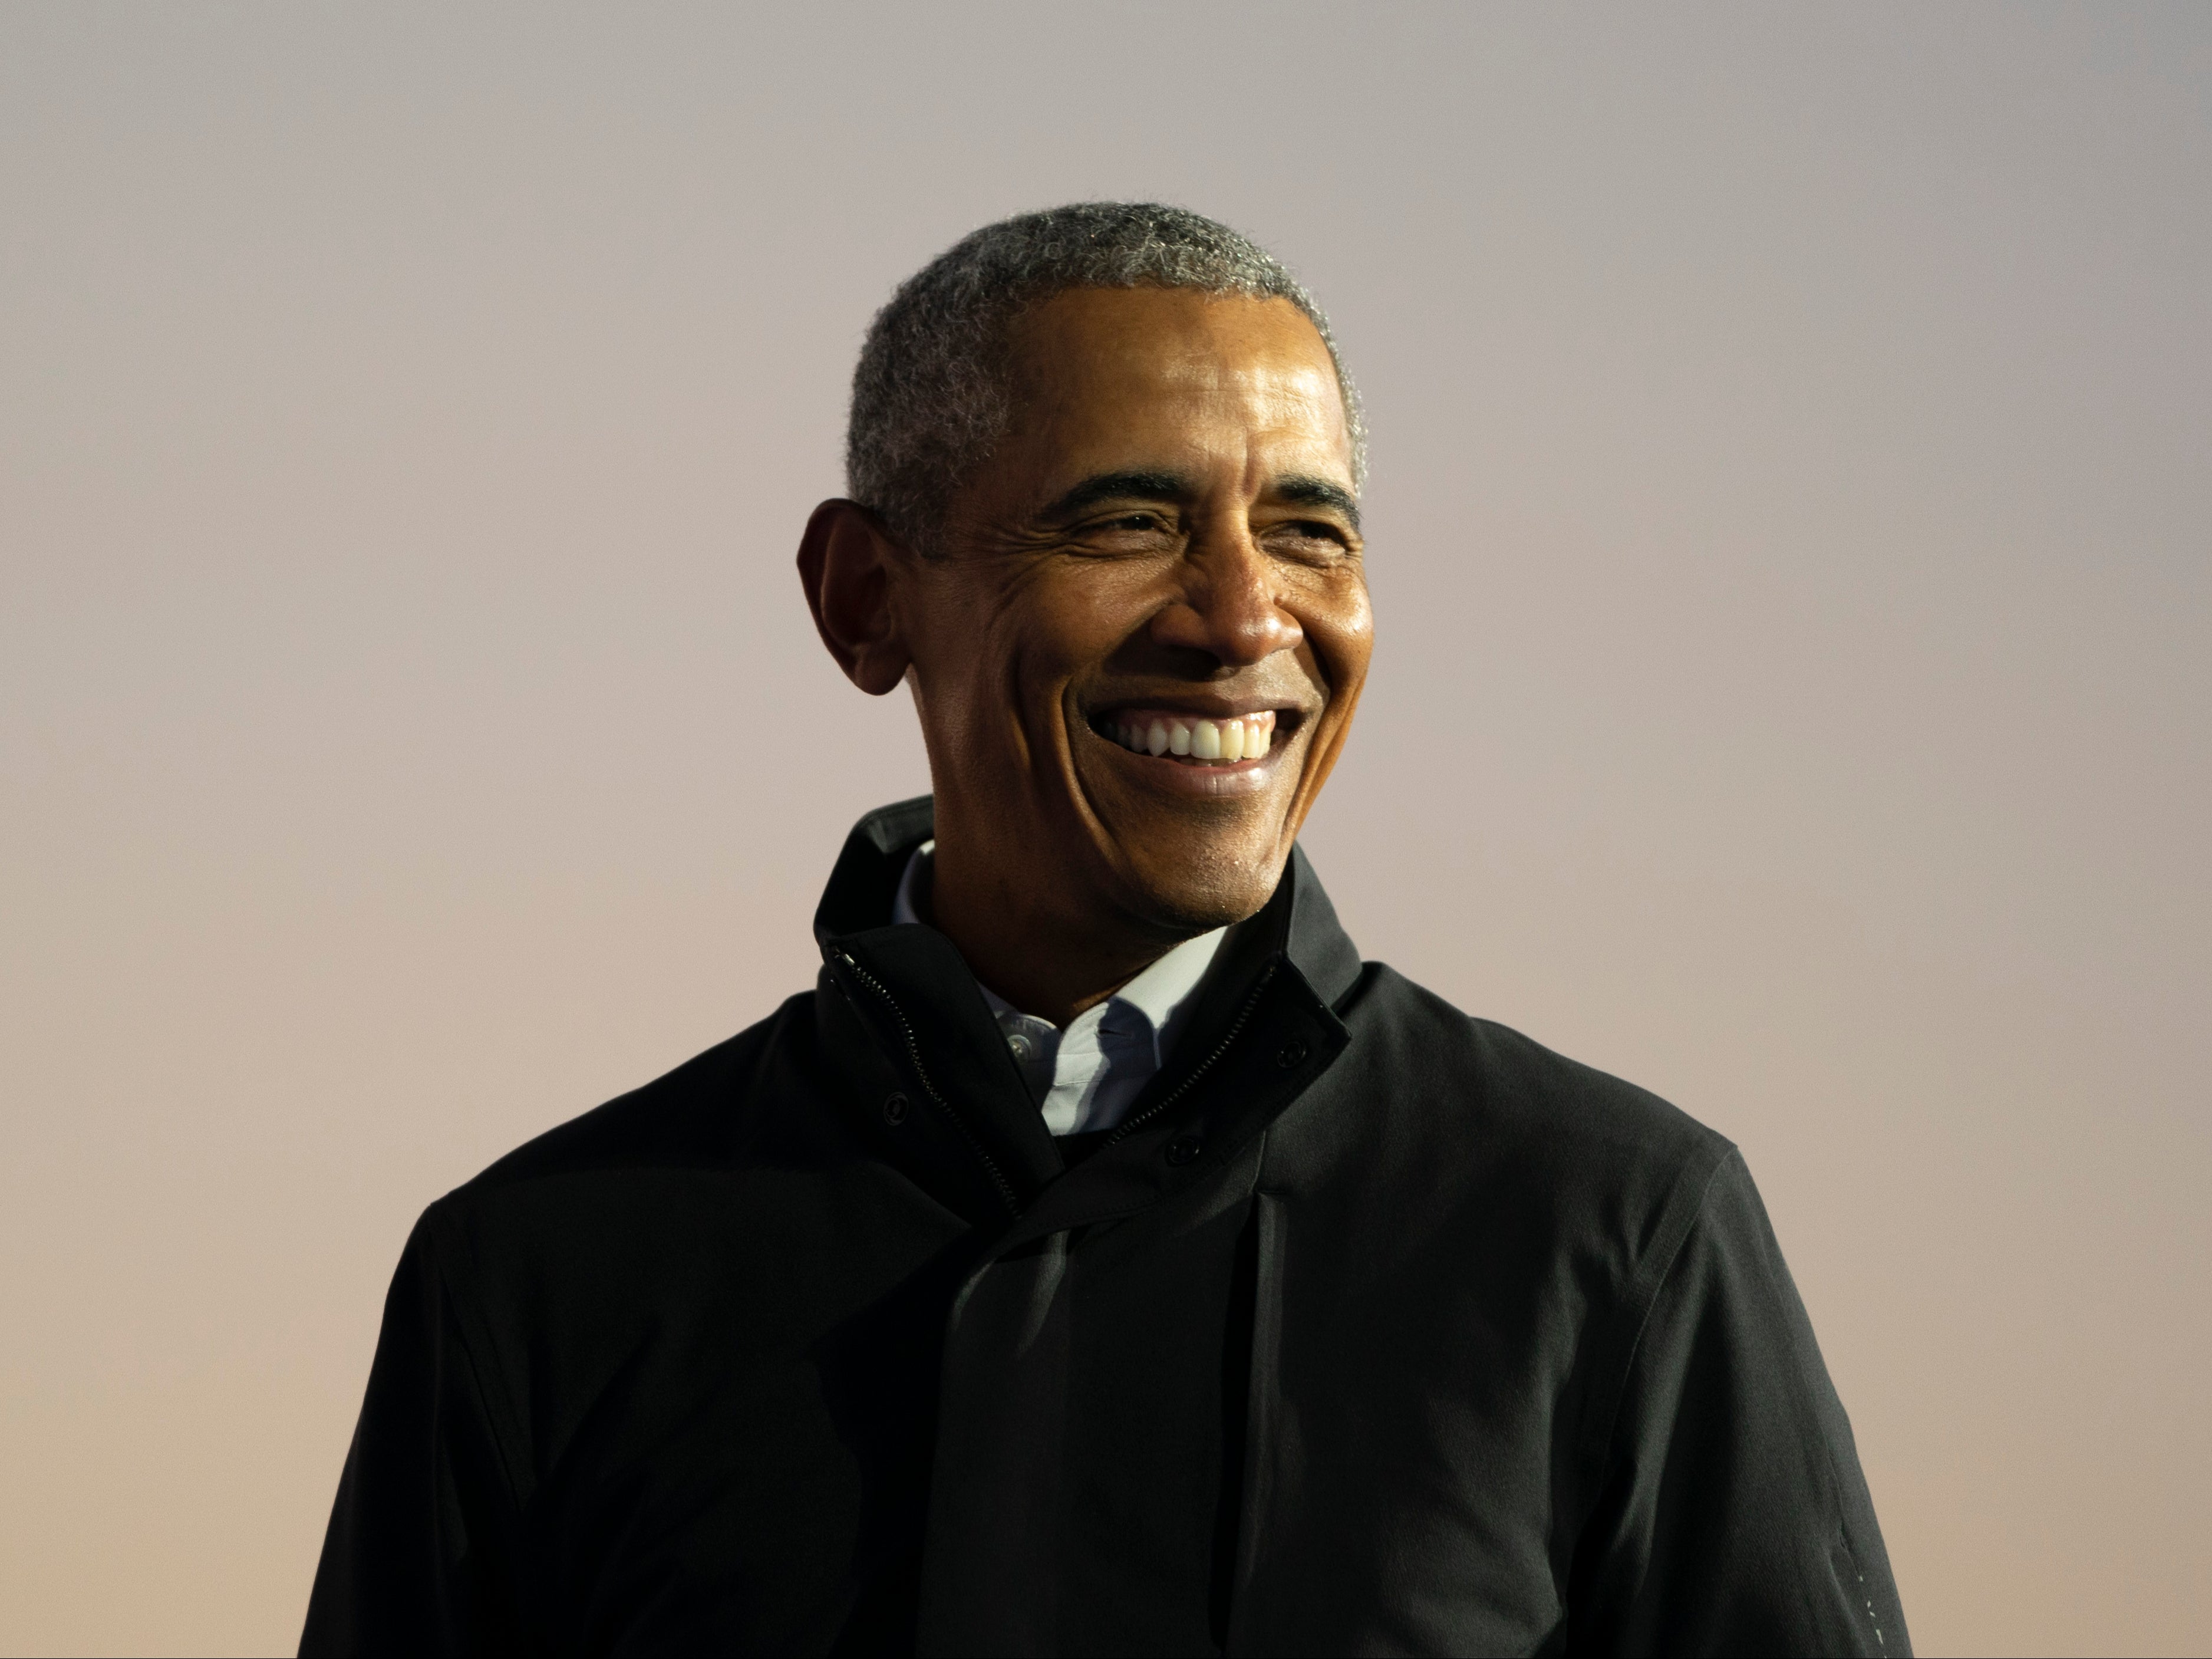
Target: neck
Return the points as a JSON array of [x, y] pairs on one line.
[[1052, 961]]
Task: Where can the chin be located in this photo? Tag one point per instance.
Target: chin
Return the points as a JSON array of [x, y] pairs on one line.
[[1214, 887]]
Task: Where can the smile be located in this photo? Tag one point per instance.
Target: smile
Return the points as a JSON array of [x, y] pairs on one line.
[[1192, 739]]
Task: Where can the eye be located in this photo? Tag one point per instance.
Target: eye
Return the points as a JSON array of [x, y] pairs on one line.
[[1128, 531], [1312, 537]]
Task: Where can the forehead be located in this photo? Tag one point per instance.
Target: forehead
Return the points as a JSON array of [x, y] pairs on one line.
[[1125, 377]]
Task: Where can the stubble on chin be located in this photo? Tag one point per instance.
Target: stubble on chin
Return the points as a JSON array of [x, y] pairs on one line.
[[1206, 882]]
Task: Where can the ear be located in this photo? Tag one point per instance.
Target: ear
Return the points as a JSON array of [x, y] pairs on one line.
[[846, 562]]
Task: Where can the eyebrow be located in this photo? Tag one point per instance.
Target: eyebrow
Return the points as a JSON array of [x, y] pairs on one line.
[[1302, 489], [1296, 490], [1121, 486]]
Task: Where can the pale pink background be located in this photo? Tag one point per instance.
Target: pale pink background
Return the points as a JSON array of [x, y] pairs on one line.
[[1793, 468]]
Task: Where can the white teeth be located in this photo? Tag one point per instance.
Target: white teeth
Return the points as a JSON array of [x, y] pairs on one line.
[[1245, 738]]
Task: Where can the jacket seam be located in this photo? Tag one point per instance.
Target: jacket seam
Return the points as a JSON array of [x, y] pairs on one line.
[[1836, 1488], [504, 1422], [1642, 1300]]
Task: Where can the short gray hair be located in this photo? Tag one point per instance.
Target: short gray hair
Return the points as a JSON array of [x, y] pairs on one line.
[[930, 396]]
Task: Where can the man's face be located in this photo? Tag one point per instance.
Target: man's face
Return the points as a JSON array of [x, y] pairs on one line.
[[1159, 565]]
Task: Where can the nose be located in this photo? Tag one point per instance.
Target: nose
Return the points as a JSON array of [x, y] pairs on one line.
[[1228, 607]]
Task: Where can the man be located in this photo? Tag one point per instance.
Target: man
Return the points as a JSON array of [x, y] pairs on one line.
[[1103, 1258]]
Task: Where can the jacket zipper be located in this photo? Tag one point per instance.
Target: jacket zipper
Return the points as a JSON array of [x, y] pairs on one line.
[[914, 1054], [1204, 1067]]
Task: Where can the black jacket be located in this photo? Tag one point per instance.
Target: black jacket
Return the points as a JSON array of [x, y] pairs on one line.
[[1374, 1329]]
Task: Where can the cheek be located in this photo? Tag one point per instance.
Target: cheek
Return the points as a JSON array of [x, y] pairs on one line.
[[1001, 657], [967, 642], [1077, 620], [1339, 626]]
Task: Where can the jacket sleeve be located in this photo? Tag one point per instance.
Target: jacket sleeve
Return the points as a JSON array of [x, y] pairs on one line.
[[417, 1556], [1733, 1517]]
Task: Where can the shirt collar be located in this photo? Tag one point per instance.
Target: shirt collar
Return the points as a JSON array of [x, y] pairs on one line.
[[1158, 993], [1163, 989]]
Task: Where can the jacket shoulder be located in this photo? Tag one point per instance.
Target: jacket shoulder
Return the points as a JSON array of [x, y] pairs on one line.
[[704, 1113], [1488, 1078], [1436, 1113]]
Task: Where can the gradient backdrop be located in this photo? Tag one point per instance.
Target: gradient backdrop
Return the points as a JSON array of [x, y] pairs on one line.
[[1793, 468]]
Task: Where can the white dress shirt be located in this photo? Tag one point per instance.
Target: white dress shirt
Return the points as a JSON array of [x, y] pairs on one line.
[[1086, 1076]]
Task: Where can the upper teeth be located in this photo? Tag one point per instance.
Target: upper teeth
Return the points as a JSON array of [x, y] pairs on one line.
[[1244, 738]]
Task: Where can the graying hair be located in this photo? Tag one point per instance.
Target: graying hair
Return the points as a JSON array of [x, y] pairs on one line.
[[930, 397]]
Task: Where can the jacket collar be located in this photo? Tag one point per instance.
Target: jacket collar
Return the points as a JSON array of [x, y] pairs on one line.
[[1262, 1028]]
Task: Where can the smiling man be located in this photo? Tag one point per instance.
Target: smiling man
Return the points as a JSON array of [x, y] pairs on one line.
[[1102, 1258]]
